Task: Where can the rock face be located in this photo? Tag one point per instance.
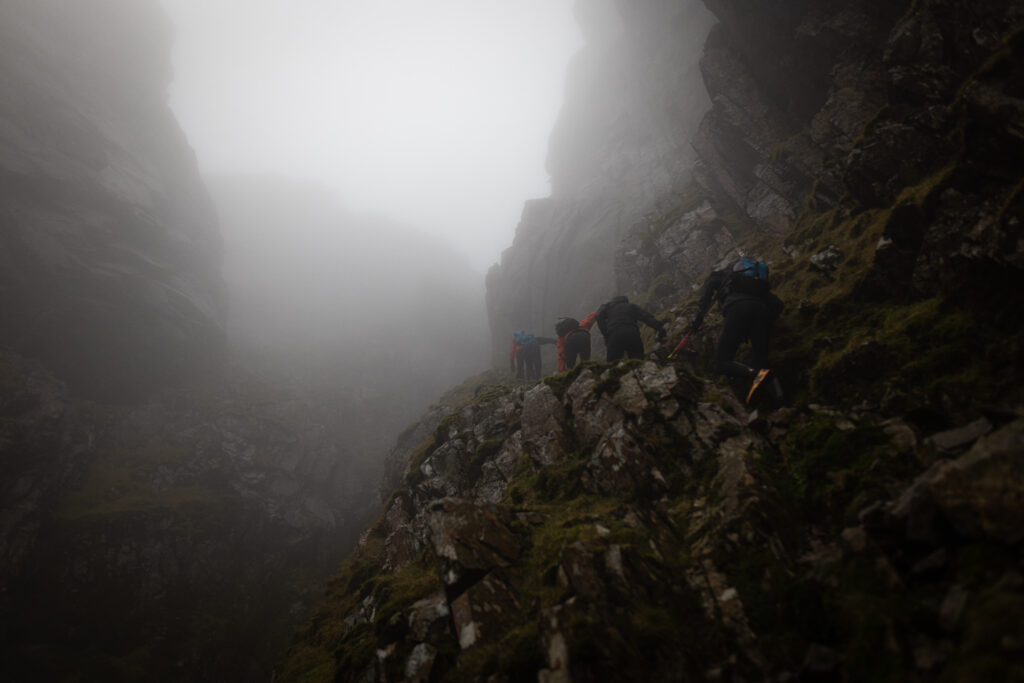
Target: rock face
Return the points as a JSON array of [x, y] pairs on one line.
[[183, 538], [620, 150], [109, 264], [164, 514], [634, 521]]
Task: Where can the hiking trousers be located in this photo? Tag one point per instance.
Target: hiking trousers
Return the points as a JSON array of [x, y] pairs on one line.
[[528, 362], [746, 319], [577, 344], [624, 342]]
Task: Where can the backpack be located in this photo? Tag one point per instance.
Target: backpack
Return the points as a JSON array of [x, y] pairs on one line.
[[749, 277], [566, 325]]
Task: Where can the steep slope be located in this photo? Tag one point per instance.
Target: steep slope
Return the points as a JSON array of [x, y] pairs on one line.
[[634, 521]]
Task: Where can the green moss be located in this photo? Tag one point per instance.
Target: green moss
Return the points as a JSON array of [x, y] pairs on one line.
[[786, 610], [560, 382], [520, 652], [413, 475], [610, 379], [822, 469], [326, 649], [124, 481]]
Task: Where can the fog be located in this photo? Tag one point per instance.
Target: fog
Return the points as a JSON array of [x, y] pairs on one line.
[[436, 114], [364, 314]]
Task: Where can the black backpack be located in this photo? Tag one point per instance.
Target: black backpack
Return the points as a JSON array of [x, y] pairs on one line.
[[566, 325], [749, 277]]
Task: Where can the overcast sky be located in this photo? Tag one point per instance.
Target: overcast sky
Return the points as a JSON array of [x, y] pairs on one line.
[[435, 113]]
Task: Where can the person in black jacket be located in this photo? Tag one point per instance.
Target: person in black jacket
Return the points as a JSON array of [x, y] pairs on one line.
[[617, 320], [750, 309]]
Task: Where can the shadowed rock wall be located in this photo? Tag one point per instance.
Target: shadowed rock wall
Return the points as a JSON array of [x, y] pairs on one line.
[[109, 253]]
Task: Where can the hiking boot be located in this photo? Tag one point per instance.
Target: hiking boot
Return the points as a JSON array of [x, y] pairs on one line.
[[761, 375]]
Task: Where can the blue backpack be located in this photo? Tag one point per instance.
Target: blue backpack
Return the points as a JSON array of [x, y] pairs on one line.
[[749, 277], [524, 338]]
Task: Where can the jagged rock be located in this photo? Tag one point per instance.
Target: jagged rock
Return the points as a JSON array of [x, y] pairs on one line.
[[955, 440], [828, 260], [979, 493], [469, 541], [982, 492], [593, 414], [397, 461], [901, 435], [662, 507], [484, 610], [543, 436], [420, 663], [402, 547], [428, 619], [621, 466], [578, 572], [556, 650], [495, 473]]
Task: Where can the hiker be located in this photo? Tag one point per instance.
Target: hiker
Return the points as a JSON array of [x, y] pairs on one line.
[[744, 293], [573, 340], [524, 356], [617, 320]]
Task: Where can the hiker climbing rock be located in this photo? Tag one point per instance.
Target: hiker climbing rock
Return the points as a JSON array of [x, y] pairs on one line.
[[750, 308], [524, 356], [573, 340], [617, 320]]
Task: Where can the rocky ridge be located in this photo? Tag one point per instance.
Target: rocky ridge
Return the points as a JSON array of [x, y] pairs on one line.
[[634, 521], [630, 520]]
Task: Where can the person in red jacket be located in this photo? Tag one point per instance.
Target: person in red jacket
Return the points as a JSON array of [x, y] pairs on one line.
[[573, 340]]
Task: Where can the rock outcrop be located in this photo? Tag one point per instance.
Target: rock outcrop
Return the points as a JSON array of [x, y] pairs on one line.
[[109, 264], [632, 521], [635, 521]]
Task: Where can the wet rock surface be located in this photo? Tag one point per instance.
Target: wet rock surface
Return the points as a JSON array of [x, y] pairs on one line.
[[666, 531], [666, 537]]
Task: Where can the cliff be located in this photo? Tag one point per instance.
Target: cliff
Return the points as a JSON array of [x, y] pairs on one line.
[[170, 503], [637, 521], [109, 265], [619, 150]]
